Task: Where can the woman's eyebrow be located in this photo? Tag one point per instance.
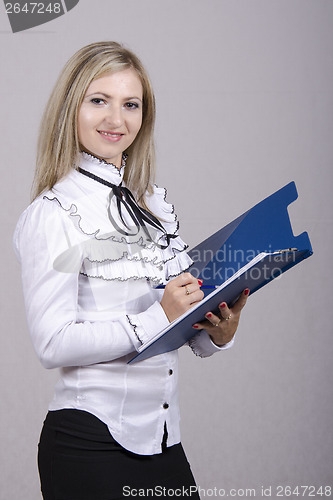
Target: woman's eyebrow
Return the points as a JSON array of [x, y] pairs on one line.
[[134, 97], [107, 96]]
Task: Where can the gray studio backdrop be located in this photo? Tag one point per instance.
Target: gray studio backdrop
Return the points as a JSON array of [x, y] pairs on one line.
[[245, 105]]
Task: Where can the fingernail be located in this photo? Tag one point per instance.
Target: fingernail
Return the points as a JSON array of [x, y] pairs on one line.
[[222, 305], [195, 326], [200, 282], [208, 315], [246, 291]]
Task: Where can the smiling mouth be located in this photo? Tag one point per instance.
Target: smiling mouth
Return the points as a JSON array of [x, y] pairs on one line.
[[110, 134]]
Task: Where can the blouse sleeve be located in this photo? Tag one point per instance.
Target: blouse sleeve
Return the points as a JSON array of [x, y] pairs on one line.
[[202, 345], [51, 296]]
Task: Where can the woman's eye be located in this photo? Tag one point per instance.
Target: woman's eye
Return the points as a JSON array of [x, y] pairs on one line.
[[132, 105], [97, 100]]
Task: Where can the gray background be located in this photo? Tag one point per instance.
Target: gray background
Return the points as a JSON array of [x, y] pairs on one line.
[[245, 105]]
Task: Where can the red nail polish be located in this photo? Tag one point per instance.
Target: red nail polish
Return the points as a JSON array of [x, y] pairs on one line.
[[200, 282], [223, 305], [195, 326], [246, 291], [208, 315]]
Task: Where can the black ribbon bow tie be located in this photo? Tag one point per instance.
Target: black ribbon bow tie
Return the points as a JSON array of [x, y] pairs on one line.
[[138, 215]]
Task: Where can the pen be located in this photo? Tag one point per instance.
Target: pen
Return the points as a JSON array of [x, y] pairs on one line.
[[202, 286]]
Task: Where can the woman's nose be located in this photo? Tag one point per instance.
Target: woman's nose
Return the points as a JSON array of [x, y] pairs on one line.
[[114, 116]]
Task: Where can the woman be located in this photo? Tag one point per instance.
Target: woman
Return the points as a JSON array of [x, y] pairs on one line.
[[92, 252]]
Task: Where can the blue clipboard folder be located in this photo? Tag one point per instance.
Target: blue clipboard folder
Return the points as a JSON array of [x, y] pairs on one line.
[[251, 251]]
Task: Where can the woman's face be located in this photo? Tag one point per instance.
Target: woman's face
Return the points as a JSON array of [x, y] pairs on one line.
[[110, 115]]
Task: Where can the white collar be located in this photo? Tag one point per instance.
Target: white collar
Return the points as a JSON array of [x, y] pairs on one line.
[[107, 171]]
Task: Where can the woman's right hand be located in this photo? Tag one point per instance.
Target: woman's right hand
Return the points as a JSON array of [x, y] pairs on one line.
[[180, 295]]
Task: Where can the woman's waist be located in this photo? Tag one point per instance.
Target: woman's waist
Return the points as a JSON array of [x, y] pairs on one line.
[[118, 377]]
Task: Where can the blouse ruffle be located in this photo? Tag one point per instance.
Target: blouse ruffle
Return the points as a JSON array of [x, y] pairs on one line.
[[105, 252]]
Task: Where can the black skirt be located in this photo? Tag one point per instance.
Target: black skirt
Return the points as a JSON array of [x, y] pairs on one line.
[[78, 459]]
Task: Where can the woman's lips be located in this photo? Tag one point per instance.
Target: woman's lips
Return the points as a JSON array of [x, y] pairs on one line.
[[110, 136]]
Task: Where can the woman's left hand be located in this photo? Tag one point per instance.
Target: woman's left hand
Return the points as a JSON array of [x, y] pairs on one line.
[[222, 328]]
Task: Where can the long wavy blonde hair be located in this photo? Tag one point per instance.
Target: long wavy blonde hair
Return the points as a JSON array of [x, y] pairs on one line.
[[58, 145]]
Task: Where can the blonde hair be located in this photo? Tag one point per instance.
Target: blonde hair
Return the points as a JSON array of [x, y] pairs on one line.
[[58, 145]]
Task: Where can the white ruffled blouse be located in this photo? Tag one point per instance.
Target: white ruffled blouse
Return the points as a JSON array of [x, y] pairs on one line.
[[90, 303]]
